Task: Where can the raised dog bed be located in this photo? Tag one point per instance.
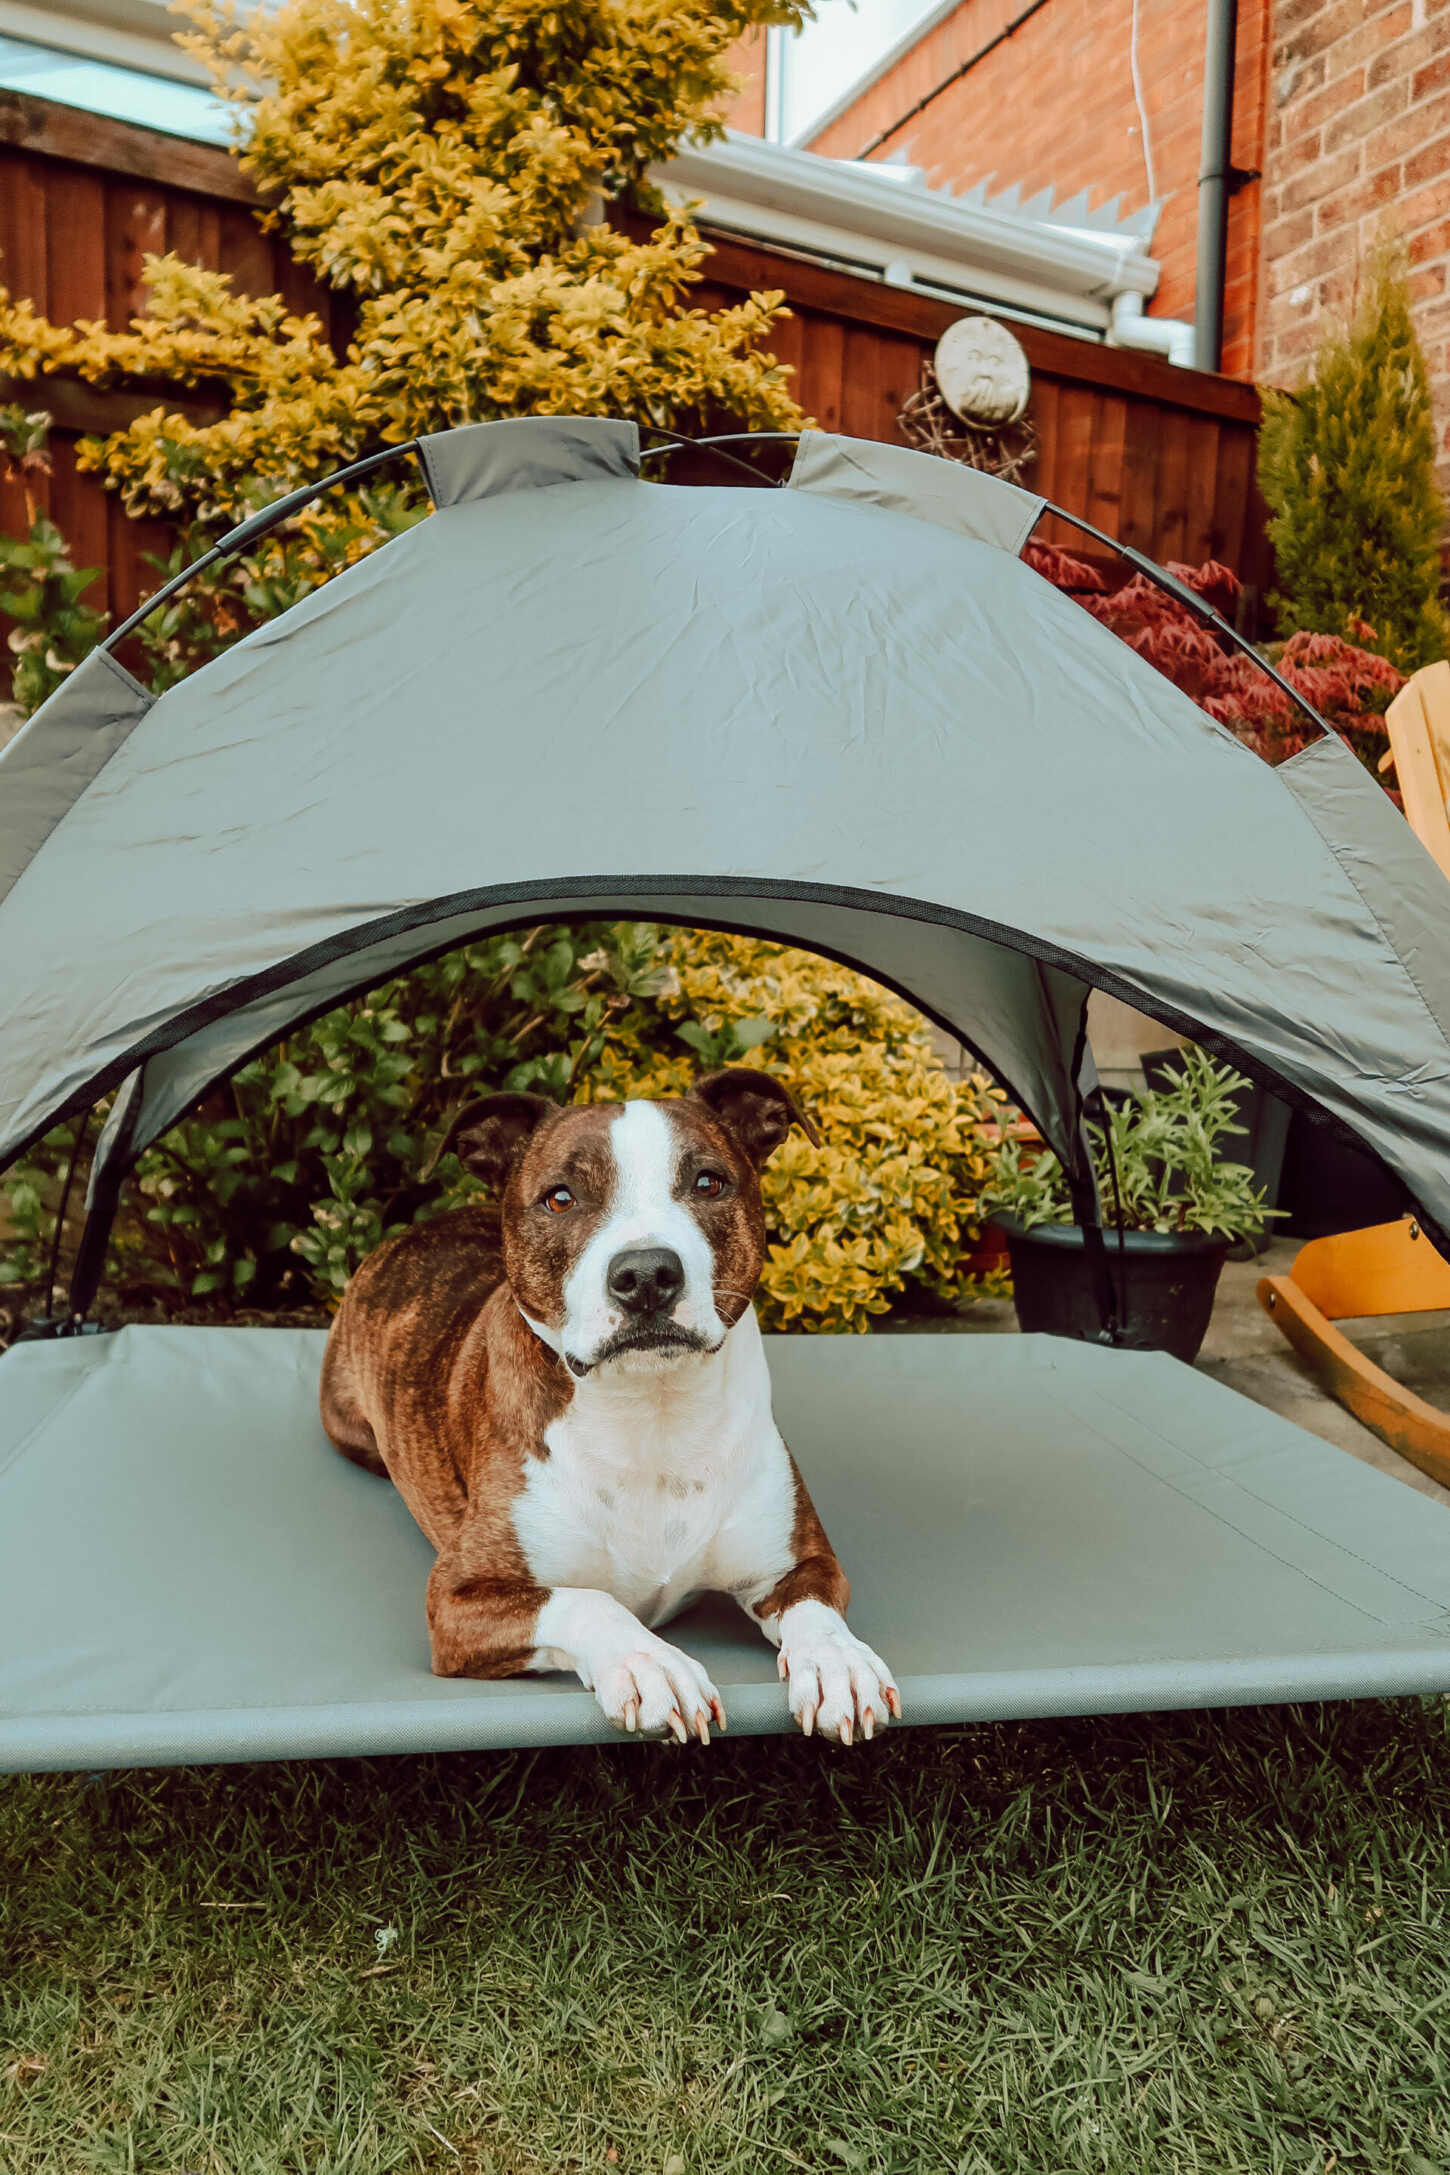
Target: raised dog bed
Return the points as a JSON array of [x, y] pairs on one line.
[[188, 1571]]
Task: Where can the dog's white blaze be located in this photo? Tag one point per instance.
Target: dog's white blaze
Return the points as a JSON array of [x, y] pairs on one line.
[[642, 1211], [658, 1487]]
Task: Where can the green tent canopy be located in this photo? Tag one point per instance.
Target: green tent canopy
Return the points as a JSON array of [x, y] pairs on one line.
[[843, 714]]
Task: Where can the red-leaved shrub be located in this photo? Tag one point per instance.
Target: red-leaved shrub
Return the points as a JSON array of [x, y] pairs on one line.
[[1351, 688]]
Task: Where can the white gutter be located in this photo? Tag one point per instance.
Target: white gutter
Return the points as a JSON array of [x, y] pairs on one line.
[[1169, 336], [873, 217], [884, 221]]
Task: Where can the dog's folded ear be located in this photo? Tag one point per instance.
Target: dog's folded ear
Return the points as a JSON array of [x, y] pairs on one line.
[[755, 1109], [488, 1134]]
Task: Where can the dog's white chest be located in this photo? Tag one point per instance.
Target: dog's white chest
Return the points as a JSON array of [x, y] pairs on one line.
[[647, 1541], [663, 1488]]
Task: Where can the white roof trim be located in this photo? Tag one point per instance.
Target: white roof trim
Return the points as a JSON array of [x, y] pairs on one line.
[[885, 220], [131, 33]]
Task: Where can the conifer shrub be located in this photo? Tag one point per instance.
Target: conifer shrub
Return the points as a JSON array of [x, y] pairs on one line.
[[1347, 465]]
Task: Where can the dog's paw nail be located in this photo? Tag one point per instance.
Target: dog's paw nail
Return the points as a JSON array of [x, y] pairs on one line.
[[893, 1700], [868, 1725], [702, 1725], [808, 1721], [631, 1716], [845, 1733], [719, 1713], [782, 1666], [677, 1724]]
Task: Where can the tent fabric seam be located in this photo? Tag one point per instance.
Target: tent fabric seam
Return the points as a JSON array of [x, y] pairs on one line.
[[1226, 1473], [139, 695], [1352, 879], [429, 478], [21, 1449]]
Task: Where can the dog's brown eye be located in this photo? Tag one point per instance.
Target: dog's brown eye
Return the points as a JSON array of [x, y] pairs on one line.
[[557, 1199], [709, 1185]]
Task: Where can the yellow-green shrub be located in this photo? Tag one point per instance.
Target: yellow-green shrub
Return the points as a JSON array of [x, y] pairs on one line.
[[890, 1197]]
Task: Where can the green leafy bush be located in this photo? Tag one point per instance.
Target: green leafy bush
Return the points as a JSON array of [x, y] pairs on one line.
[[1347, 465], [42, 593], [1165, 1148], [272, 1193]]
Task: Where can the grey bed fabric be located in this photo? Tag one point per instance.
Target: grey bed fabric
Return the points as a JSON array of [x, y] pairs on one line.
[[843, 714], [1030, 1526]]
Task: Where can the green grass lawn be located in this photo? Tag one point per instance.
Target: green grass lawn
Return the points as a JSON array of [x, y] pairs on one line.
[[1216, 1942]]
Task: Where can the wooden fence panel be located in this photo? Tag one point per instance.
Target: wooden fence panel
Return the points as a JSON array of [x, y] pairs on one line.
[[1160, 456]]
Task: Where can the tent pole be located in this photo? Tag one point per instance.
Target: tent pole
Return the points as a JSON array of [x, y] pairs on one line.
[[247, 532], [110, 1168], [85, 1281], [1087, 1214], [1149, 568], [1082, 1186]]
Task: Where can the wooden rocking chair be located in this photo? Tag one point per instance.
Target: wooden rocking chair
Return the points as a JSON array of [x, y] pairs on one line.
[[1387, 1268]]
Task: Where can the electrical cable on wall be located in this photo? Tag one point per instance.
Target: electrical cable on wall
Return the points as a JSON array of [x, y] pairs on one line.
[[884, 135], [1138, 101]]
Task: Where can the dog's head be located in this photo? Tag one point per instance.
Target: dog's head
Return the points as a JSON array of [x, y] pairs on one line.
[[633, 1234]]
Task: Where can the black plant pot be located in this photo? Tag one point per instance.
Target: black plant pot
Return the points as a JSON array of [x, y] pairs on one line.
[[1330, 1185], [1165, 1284]]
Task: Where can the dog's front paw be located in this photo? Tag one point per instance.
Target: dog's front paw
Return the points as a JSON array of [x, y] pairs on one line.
[[838, 1685], [654, 1687]]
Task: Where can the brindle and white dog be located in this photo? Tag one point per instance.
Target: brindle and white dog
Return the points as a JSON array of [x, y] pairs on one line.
[[571, 1395]]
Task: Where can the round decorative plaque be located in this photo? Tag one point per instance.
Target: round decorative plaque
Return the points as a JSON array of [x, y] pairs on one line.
[[982, 373]]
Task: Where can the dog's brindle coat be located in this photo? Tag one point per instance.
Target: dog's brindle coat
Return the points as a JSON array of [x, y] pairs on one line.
[[570, 1392]]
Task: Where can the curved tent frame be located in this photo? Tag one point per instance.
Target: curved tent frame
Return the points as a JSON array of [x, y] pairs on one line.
[[1025, 1016]]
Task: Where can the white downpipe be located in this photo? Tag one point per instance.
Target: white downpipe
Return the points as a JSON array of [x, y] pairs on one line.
[[1167, 336]]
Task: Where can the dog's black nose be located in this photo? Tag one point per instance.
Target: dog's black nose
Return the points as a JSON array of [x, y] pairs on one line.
[[646, 1280]]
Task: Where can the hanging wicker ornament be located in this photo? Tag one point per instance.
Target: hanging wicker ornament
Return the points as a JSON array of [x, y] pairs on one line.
[[927, 423], [971, 404]]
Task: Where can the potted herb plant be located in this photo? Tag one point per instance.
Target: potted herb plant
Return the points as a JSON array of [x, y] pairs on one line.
[[1172, 1207]]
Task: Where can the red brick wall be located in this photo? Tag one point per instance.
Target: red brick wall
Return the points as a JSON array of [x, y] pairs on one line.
[[1053, 106], [747, 58], [1358, 142]]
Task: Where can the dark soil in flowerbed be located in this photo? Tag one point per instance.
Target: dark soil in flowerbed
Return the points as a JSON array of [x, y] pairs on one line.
[[23, 1304]]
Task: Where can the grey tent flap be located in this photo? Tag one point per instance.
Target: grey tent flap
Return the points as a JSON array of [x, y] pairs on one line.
[[844, 714], [55, 757], [484, 459]]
